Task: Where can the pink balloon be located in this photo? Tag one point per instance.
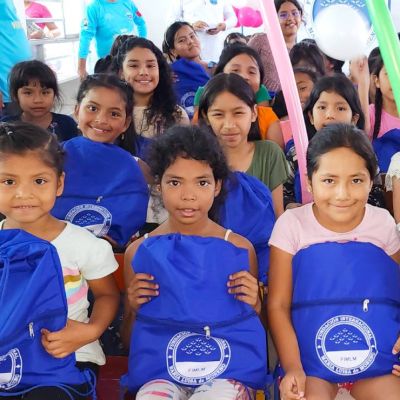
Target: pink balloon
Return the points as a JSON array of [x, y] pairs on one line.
[[236, 10], [258, 21], [246, 16], [288, 83]]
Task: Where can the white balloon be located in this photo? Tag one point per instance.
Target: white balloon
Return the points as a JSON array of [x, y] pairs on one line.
[[341, 32]]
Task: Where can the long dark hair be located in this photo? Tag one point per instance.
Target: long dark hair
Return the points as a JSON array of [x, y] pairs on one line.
[[377, 65], [163, 102], [168, 43]]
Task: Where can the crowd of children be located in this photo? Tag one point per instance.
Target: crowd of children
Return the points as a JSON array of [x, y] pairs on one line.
[[183, 166]]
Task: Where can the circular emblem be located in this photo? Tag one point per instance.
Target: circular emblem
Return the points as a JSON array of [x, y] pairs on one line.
[[187, 102], [313, 7], [346, 345], [94, 218], [194, 359], [10, 369]]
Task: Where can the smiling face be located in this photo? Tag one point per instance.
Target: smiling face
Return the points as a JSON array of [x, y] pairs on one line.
[[102, 115], [340, 187], [230, 119], [186, 43], [140, 70], [28, 189], [34, 100], [331, 108], [188, 189], [289, 18], [304, 87], [247, 68]]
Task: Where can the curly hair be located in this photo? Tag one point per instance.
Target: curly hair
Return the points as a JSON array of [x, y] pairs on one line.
[[190, 142], [163, 103]]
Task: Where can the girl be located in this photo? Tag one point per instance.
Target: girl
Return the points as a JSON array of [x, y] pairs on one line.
[[105, 190], [384, 117], [338, 236], [31, 177], [142, 65], [33, 86], [245, 61], [182, 47], [228, 108], [290, 14], [307, 54], [333, 99], [190, 169]]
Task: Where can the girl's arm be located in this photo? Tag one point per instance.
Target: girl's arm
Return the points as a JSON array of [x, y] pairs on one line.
[[279, 318], [275, 134], [77, 334], [139, 290], [277, 199]]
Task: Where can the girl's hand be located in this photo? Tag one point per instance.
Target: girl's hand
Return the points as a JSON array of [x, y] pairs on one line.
[[293, 385], [220, 27], [200, 26], [245, 288], [62, 343], [141, 290], [359, 70], [396, 350]]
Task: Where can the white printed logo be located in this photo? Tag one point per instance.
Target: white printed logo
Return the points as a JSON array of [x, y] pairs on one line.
[[194, 359], [94, 218], [10, 369], [346, 345]]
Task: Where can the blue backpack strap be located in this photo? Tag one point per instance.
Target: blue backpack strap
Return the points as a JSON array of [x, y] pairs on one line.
[[385, 147], [248, 210], [181, 335], [32, 297], [104, 191], [346, 310]]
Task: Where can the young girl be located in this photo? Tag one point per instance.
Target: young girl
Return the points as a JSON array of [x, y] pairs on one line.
[[105, 190], [334, 278], [33, 86], [384, 117], [333, 99], [31, 177], [290, 14], [193, 270], [142, 65], [228, 107], [182, 47]]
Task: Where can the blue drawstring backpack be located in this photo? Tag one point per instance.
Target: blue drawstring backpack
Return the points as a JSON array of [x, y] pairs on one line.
[[105, 191], [190, 76], [32, 297], [248, 210], [346, 310], [385, 147], [194, 331]]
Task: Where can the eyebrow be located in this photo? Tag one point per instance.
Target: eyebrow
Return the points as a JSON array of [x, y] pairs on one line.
[[235, 109], [328, 175], [336, 102], [16, 176], [98, 104], [172, 176], [137, 60]]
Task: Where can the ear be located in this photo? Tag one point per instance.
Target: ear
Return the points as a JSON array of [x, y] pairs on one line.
[[204, 115], [60, 184], [309, 185], [121, 75], [128, 121], [76, 111], [218, 186], [355, 118], [254, 113], [311, 117], [376, 80]]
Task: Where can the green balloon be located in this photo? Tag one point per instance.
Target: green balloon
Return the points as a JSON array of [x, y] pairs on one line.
[[388, 43]]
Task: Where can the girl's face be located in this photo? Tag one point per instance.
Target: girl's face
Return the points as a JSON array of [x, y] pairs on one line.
[[186, 43], [304, 87], [140, 70], [188, 189], [382, 82], [230, 119], [340, 187], [247, 68], [331, 108], [289, 18], [102, 115], [35, 101], [28, 188]]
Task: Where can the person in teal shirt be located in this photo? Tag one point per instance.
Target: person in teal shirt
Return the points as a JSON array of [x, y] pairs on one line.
[[104, 21], [14, 47]]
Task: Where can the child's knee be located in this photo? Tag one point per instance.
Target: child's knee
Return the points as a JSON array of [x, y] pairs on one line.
[[161, 389], [319, 389]]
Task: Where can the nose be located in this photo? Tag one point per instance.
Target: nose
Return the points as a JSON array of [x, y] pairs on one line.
[[229, 122], [342, 191], [188, 194], [37, 98], [143, 70], [330, 114], [101, 117], [23, 191]]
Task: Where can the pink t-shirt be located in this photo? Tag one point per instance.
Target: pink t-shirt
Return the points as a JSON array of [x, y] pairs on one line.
[[388, 122], [298, 228], [36, 10]]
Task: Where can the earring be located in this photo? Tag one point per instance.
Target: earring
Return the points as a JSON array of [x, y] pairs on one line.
[[123, 136], [309, 189]]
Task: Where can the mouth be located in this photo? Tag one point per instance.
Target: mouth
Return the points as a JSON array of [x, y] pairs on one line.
[[143, 82], [187, 212], [24, 207], [99, 130]]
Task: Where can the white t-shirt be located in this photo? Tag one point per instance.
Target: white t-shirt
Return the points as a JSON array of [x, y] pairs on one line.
[[83, 257]]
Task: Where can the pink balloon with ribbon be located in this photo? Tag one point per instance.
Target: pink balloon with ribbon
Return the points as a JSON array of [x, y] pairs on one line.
[[289, 89]]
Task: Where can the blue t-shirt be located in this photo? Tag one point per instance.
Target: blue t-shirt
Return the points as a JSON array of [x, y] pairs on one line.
[[104, 21], [63, 126], [14, 44]]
